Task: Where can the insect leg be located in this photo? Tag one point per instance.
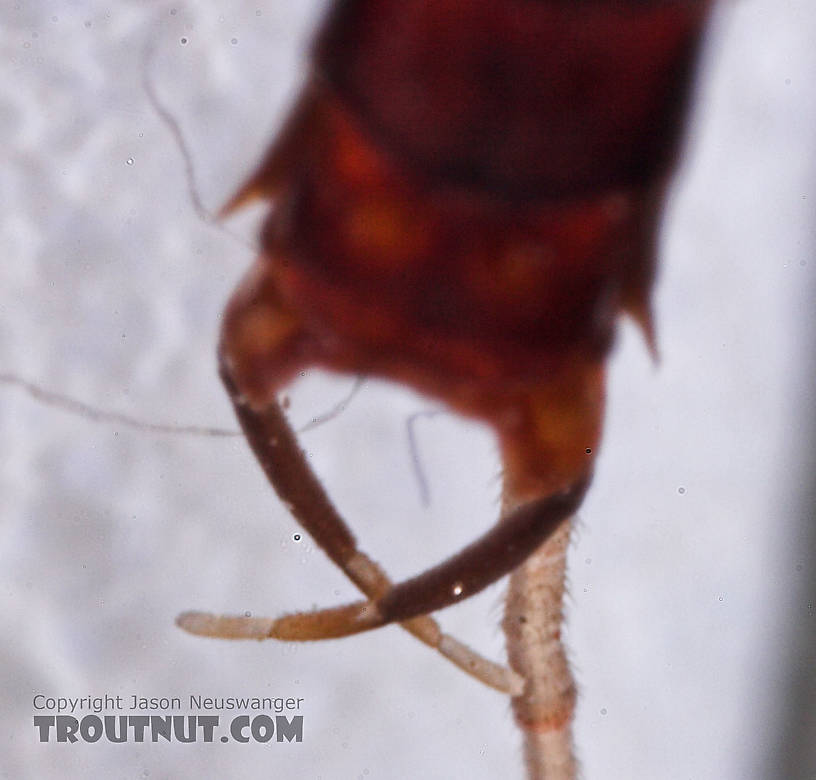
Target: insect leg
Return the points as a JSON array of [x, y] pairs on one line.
[[492, 556], [275, 445], [533, 627], [546, 469]]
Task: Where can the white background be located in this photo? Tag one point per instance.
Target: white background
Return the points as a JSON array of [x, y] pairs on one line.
[[681, 603]]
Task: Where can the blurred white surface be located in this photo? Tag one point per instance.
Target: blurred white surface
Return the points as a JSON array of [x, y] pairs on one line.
[[685, 570]]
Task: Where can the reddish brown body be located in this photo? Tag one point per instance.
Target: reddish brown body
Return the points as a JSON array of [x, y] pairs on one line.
[[465, 200]]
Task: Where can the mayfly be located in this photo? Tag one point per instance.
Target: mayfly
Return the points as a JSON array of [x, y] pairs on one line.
[[466, 199]]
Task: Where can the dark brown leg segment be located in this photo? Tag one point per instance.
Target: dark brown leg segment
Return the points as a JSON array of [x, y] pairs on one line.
[[480, 564], [275, 446]]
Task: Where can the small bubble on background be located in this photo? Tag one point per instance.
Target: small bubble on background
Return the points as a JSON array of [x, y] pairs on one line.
[[233, 41], [183, 41], [130, 161], [296, 537], [681, 490], [589, 450], [603, 710], [588, 561], [247, 614], [720, 598]]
